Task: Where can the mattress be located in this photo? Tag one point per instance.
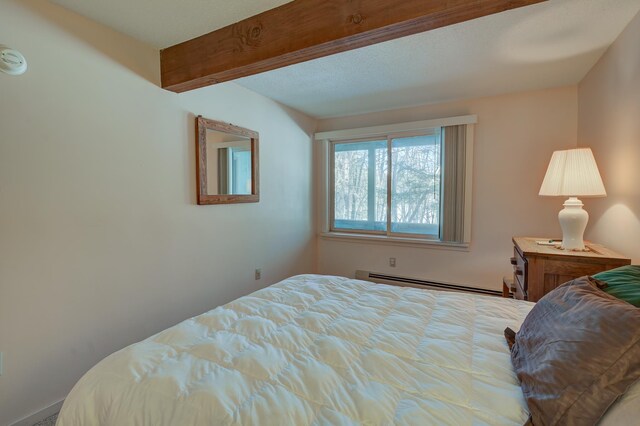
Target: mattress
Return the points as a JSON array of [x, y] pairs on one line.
[[316, 350]]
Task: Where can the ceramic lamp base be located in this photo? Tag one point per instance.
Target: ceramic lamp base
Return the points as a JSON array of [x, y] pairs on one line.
[[573, 221]]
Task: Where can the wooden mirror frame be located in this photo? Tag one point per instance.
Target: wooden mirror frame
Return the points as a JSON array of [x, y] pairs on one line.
[[204, 124]]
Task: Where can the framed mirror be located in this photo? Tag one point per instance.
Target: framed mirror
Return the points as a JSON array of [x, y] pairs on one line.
[[226, 163]]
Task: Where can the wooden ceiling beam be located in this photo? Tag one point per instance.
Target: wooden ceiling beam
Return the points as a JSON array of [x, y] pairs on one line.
[[308, 29]]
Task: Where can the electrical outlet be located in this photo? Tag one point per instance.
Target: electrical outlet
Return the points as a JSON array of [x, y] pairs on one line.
[[392, 262], [258, 274]]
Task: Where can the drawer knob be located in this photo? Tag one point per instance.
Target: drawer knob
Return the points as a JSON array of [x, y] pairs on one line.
[[513, 261], [518, 271]]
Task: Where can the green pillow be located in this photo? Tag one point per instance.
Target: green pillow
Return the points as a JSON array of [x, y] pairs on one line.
[[623, 283]]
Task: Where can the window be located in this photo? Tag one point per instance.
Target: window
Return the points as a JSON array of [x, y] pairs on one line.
[[405, 185], [362, 185]]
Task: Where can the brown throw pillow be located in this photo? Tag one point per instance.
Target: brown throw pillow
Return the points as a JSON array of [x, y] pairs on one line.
[[577, 351]]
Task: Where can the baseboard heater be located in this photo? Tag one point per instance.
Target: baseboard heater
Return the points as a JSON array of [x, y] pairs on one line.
[[418, 283]]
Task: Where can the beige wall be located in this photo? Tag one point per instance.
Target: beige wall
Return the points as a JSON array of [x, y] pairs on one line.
[[609, 123], [514, 139], [101, 243]]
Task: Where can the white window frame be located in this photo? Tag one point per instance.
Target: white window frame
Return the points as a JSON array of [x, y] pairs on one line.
[[389, 131]]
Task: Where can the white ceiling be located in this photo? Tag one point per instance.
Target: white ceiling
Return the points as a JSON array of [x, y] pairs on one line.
[[545, 45], [163, 23]]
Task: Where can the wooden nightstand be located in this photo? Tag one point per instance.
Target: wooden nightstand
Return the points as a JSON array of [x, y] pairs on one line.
[[538, 269]]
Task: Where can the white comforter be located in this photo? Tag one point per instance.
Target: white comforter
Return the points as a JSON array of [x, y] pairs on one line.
[[316, 350]]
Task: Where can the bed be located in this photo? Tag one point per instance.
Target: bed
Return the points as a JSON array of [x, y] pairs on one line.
[[316, 350]]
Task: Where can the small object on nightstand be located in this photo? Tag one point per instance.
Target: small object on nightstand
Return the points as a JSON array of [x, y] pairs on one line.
[[538, 269], [549, 242]]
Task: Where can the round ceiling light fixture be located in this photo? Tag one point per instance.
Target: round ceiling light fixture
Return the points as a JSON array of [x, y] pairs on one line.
[[12, 62]]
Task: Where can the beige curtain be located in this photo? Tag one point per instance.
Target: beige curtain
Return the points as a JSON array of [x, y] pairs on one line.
[[453, 175]]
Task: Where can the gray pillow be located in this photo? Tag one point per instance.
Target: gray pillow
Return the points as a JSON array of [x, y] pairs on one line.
[[577, 351]]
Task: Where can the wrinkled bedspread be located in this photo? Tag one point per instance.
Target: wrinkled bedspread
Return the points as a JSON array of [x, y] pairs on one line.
[[316, 350]]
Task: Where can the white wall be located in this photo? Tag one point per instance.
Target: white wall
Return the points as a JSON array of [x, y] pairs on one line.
[[515, 137], [609, 123], [101, 242]]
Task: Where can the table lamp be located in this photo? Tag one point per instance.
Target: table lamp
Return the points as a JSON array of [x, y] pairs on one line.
[[573, 173]]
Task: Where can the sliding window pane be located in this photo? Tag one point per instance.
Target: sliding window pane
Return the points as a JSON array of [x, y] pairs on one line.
[[415, 185], [360, 186]]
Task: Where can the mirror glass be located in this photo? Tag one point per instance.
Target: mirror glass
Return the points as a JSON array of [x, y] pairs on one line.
[[228, 164]]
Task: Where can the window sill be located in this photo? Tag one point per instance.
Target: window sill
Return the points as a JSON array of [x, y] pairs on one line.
[[398, 241]]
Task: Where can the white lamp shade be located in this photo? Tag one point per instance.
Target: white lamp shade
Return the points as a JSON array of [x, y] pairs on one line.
[[573, 173]]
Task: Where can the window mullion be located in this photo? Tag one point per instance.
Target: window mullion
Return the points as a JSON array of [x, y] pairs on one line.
[[332, 186], [389, 165], [441, 216], [371, 188]]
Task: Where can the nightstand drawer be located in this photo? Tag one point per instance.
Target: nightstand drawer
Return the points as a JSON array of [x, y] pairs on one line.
[[520, 266], [520, 292]]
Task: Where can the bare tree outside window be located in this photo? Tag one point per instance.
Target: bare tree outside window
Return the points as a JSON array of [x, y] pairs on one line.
[[415, 185], [352, 170], [360, 179]]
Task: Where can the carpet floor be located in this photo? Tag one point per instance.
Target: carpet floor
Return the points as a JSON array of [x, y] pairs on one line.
[[49, 421]]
